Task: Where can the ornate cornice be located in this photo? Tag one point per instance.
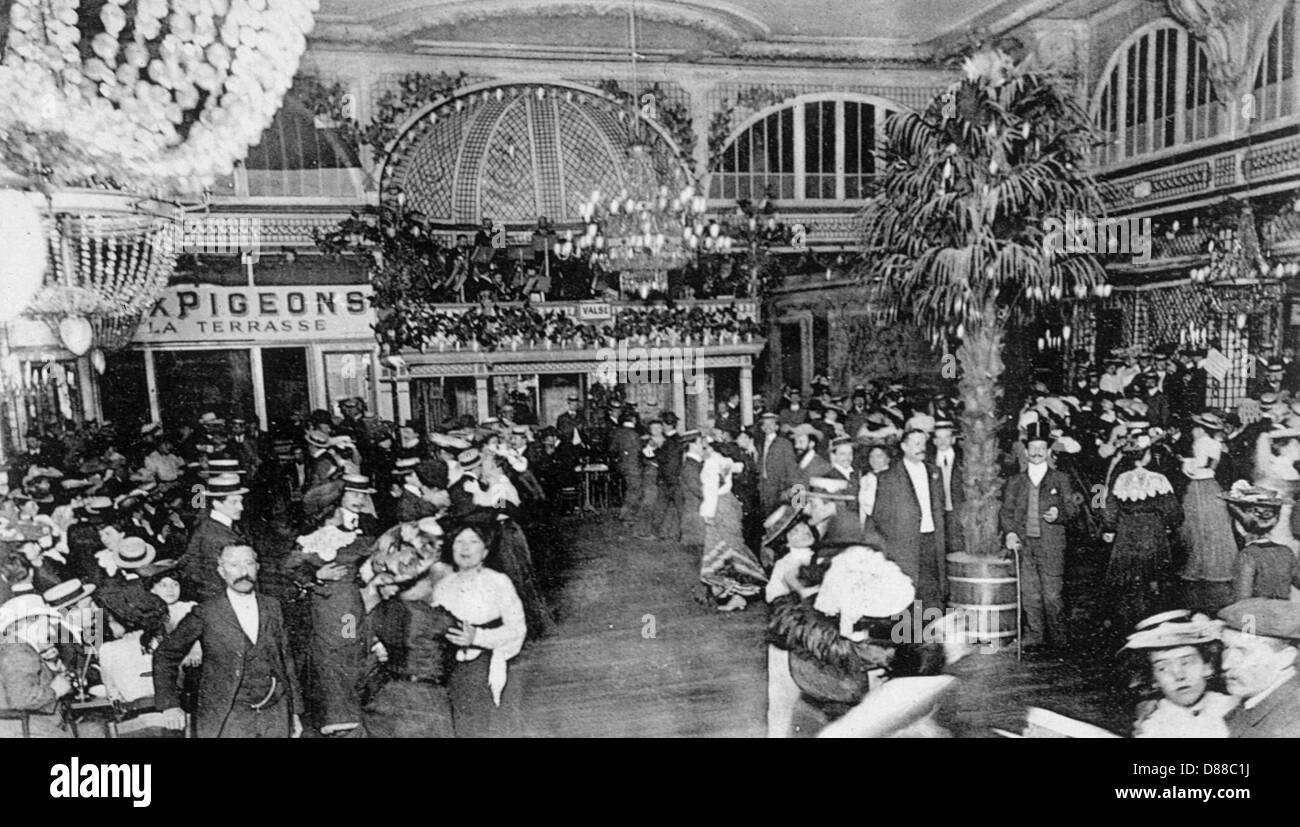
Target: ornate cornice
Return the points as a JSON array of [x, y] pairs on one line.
[[395, 20]]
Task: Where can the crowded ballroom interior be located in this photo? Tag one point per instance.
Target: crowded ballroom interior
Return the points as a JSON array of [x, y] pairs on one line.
[[630, 368]]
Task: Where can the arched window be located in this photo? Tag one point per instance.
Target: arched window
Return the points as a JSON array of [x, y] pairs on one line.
[[1138, 107], [817, 147], [1275, 82]]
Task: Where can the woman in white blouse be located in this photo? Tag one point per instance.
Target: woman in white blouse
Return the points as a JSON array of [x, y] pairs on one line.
[[484, 701]]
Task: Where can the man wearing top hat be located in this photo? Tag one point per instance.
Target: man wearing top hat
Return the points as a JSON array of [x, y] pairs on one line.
[[1259, 667], [1036, 506], [778, 471], [1269, 380], [248, 683], [909, 513], [224, 497]]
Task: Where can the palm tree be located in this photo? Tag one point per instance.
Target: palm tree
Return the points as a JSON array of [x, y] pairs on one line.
[[957, 238]]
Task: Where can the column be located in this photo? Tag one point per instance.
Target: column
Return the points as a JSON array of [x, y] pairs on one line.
[[679, 398], [746, 394], [151, 384], [259, 387], [701, 391], [402, 399], [86, 384], [481, 391]]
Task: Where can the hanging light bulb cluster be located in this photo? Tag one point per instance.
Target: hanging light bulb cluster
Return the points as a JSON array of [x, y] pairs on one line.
[[642, 233]]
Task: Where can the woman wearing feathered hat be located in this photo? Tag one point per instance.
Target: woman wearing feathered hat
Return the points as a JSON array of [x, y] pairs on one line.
[[1264, 568], [1140, 513], [327, 562]]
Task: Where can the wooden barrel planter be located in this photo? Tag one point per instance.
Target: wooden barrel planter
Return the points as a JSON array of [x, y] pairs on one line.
[[985, 588]]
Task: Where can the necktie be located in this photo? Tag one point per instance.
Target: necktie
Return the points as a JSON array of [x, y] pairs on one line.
[[946, 465]]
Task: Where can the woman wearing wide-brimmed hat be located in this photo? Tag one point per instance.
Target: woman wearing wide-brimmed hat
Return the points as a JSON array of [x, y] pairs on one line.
[[1179, 653], [1265, 568], [1206, 531]]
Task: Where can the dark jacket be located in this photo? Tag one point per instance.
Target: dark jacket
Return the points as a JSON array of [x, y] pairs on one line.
[[1277, 716], [777, 469], [669, 457], [214, 625], [198, 565], [897, 515], [1055, 490]]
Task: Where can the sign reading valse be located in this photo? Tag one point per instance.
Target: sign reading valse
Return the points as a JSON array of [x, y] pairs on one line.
[[258, 314]]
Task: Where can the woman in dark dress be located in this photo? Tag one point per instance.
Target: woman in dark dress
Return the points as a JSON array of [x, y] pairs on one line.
[[327, 561], [411, 700], [1140, 513]]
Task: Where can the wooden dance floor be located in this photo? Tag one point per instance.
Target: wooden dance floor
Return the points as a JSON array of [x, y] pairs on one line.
[[633, 655]]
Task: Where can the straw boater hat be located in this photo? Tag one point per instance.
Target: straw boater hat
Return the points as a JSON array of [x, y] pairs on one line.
[[449, 442], [216, 467], [357, 483], [809, 431], [1209, 421], [67, 593], [24, 606], [316, 439], [830, 488], [469, 459], [405, 465], [133, 553], [209, 418], [223, 485]]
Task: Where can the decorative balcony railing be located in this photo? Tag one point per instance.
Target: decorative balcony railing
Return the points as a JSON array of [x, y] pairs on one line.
[[426, 327]]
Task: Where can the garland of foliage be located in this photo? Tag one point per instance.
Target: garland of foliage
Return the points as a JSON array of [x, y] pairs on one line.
[[751, 99], [414, 90]]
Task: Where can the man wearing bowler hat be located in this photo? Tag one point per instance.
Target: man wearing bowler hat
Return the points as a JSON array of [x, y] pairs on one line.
[[224, 497], [248, 684], [1259, 667]]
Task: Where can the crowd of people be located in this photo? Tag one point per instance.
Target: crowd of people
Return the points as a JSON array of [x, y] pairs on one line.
[[347, 577], [338, 574]]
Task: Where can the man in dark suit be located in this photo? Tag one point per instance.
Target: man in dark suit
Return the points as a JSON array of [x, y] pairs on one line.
[[1036, 506], [810, 462], [777, 470], [224, 495], [841, 455], [625, 449], [1259, 667], [667, 517], [248, 685], [909, 513], [948, 460]]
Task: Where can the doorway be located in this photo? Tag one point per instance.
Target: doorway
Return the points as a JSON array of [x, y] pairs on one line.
[[284, 376]]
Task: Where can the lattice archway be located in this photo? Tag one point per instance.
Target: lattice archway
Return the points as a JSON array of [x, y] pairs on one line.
[[517, 151]]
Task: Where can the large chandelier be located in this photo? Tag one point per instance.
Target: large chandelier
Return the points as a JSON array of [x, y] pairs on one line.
[[106, 106], [154, 95], [647, 228]]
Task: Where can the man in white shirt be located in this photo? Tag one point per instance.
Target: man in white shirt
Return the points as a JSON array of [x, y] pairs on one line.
[[908, 511], [248, 684]]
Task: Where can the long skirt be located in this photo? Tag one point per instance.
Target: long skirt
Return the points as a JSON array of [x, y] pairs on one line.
[[514, 559], [337, 654], [403, 709], [473, 712], [1207, 534], [1138, 570], [727, 566]]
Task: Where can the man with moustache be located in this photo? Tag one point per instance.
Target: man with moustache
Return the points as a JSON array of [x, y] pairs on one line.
[[909, 513], [1260, 643], [248, 685], [1036, 506]]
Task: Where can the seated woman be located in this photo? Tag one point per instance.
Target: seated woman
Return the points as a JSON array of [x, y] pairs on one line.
[[126, 664], [1181, 652], [32, 678], [484, 701]]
